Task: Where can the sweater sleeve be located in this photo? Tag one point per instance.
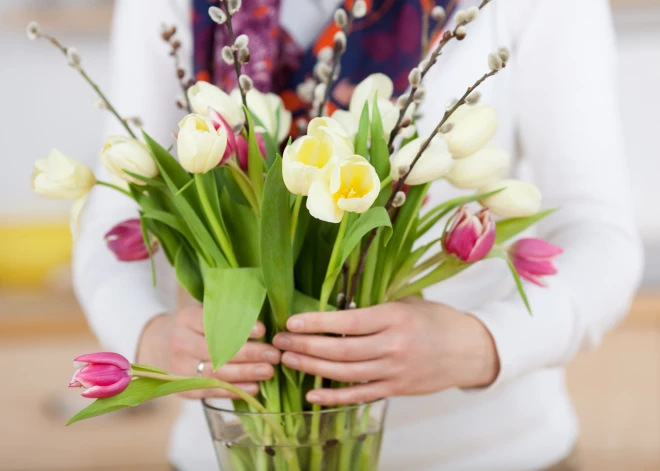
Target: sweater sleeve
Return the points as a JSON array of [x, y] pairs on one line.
[[119, 298], [565, 78]]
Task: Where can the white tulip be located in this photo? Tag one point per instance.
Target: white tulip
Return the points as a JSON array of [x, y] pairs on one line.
[[434, 163], [123, 153], [203, 95], [74, 216], [517, 199], [200, 146], [473, 127], [60, 177], [365, 91], [305, 159], [266, 106], [351, 184], [348, 121], [477, 170]]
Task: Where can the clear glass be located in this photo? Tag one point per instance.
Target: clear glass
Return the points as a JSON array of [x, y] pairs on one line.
[[341, 439]]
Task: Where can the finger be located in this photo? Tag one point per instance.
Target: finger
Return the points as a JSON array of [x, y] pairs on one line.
[[369, 347], [251, 388], [243, 372], [255, 352], [357, 394], [339, 371], [350, 322], [258, 331], [193, 317], [187, 343]]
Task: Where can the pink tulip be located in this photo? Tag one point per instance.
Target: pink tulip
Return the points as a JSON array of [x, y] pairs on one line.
[[126, 241], [470, 237], [236, 145], [102, 374], [533, 259]]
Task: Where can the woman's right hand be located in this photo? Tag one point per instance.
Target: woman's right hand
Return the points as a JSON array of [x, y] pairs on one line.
[[176, 343]]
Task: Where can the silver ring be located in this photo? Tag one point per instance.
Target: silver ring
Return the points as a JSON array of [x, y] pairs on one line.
[[200, 367]]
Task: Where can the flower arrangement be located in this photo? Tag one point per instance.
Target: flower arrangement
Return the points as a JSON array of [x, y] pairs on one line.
[[331, 224]]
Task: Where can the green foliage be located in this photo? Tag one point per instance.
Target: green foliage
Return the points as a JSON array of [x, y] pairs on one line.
[[380, 154], [255, 161], [362, 136], [188, 272], [508, 228]]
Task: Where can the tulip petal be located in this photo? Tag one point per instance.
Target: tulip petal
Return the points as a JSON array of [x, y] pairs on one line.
[[538, 268], [365, 91], [517, 198], [481, 168], [434, 162], [348, 121], [483, 245], [109, 358], [535, 249], [101, 392], [474, 126], [321, 204]]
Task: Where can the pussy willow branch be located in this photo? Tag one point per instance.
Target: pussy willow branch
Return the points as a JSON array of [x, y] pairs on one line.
[[177, 68], [426, 16], [96, 88], [432, 60], [402, 180], [336, 59], [237, 65]]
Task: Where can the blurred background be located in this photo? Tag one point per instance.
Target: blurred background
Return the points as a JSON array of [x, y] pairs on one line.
[[616, 389]]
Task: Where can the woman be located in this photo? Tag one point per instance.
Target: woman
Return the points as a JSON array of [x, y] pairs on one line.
[[479, 385]]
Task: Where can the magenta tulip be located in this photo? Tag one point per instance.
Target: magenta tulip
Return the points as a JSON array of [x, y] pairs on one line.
[[236, 145], [126, 242], [470, 236], [532, 259], [102, 374]]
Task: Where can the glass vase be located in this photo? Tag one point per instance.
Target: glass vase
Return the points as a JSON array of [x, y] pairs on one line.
[[341, 439]]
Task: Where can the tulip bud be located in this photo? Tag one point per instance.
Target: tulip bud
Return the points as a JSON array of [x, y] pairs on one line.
[[474, 126], [477, 170], [123, 153], [470, 237], [434, 162], [33, 31], [217, 15], [60, 177], [125, 240], [242, 150], [101, 374], [532, 259], [201, 147], [203, 96], [270, 111], [341, 18], [517, 198]]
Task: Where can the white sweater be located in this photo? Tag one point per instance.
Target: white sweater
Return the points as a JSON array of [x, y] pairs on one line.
[[558, 111]]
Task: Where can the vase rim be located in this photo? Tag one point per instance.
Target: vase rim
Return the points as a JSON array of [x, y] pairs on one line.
[[206, 404]]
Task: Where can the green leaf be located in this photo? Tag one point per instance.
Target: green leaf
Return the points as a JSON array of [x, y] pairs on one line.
[[243, 230], [276, 251], [304, 219], [303, 303], [147, 368], [188, 272], [452, 266], [508, 228], [362, 136], [270, 141], [380, 154], [225, 179], [149, 181], [169, 167], [255, 161], [147, 243], [184, 187], [504, 255], [233, 298], [431, 218], [141, 390], [168, 219]]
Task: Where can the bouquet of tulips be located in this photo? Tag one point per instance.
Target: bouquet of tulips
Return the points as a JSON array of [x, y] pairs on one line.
[[331, 224]]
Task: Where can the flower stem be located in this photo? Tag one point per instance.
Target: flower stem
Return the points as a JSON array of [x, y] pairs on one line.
[[212, 217], [245, 185], [295, 216], [115, 187]]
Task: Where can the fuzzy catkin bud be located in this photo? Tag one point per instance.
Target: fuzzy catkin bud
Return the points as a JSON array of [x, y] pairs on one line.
[[32, 30], [180, 73], [322, 71], [341, 18], [419, 95], [495, 62], [402, 101], [473, 98], [399, 199], [228, 55], [217, 15], [100, 104], [403, 170], [439, 14], [424, 65], [305, 90], [340, 42], [359, 9], [167, 32], [245, 82], [450, 104], [460, 17], [471, 14], [73, 57], [326, 54], [352, 305], [341, 298], [405, 123], [504, 53], [447, 127], [415, 77], [241, 41], [461, 32], [233, 6], [243, 55], [319, 91]]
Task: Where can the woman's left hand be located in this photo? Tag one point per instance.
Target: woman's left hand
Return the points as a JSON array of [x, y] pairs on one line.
[[405, 348]]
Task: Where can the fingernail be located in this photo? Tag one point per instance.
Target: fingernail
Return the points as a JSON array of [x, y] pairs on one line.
[[295, 324], [313, 397], [269, 355], [255, 328], [282, 341], [291, 360], [262, 371]]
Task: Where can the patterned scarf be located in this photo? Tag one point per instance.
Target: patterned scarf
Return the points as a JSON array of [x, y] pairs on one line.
[[386, 40]]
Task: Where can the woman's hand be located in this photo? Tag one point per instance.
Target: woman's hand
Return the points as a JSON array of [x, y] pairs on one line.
[[176, 343], [399, 349]]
